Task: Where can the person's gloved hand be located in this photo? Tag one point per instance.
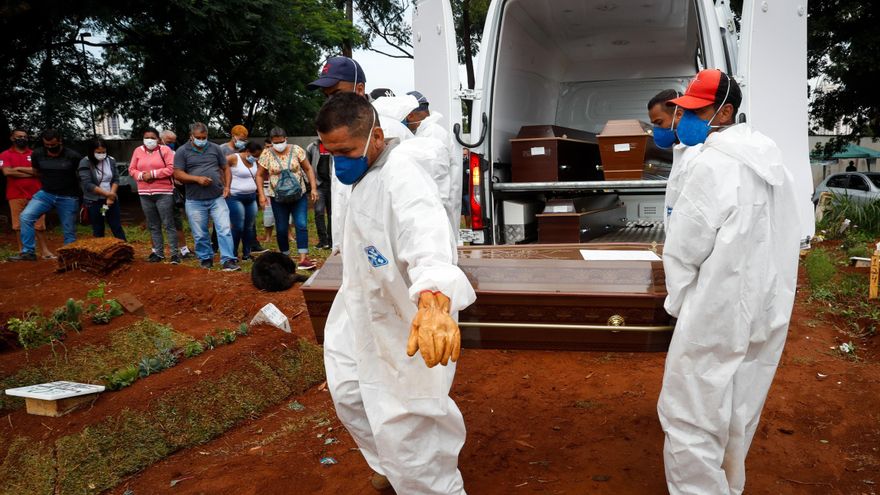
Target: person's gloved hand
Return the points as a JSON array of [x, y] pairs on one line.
[[433, 331]]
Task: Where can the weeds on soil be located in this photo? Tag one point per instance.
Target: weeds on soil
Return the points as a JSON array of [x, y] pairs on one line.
[[35, 330]]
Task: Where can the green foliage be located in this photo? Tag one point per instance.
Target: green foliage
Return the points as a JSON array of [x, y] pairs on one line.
[[163, 360], [122, 377], [103, 310], [28, 468], [820, 268], [193, 349], [242, 329], [842, 42], [864, 218], [35, 330], [227, 336], [210, 341]]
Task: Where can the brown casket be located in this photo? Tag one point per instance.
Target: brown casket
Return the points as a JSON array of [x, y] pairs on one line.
[[623, 145], [543, 297], [549, 153], [576, 220]]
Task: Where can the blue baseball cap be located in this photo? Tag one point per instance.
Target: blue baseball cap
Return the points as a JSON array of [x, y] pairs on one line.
[[423, 102], [339, 69]]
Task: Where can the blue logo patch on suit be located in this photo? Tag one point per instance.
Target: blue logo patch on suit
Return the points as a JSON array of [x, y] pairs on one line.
[[375, 257]]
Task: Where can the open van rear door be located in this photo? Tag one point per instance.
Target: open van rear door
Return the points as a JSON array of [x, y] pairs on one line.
[[772, 69], [437, 77]]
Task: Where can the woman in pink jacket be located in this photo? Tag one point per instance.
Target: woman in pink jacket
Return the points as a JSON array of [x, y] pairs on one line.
[[152, 166]]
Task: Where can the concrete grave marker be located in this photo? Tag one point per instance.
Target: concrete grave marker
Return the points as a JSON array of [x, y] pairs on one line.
[[55, 398]]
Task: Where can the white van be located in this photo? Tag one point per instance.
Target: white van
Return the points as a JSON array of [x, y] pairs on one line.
[[580, 63]]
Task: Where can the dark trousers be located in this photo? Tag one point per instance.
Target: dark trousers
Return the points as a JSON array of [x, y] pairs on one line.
[[322, 212], [112, 217]]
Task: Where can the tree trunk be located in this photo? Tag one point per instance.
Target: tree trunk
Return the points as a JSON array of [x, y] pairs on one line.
[[349, 14]]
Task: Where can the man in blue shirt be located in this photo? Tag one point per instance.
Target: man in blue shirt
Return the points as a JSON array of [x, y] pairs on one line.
[[200, 165]]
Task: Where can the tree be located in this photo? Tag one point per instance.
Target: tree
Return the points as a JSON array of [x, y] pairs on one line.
[[170, 63], [470, 16], [844, 54]]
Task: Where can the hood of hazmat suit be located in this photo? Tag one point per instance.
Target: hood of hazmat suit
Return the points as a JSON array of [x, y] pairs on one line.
[[446, 173], [339, 192], [731, 259], [397, 244]]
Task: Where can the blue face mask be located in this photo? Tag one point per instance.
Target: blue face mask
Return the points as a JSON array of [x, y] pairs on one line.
[[692, 130], [350, 170], [239, 145], [200, 143], [665, 138], [252, 160]]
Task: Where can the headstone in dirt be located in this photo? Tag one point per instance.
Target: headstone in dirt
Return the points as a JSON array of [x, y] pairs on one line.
[[131, 304], [99, 256], [55, 398], [273, 316]]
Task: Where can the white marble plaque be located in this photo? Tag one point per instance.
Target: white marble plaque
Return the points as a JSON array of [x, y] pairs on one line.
[[55, 390]]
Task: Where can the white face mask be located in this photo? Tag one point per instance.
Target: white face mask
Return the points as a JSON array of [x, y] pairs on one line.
[[280, 147], [100, 156], [150, 143]]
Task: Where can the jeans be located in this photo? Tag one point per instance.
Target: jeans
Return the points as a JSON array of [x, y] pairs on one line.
[[198, 211], [282, 212], [42, 202], [111, 216], [159, 212], [242, 217], [322, 206]]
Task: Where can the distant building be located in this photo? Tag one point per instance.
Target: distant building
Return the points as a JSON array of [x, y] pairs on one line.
[[108, 126]]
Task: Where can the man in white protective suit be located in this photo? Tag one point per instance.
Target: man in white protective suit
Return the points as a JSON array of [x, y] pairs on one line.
[[731, 259], [401, 293], [447, 174], [345, 75]]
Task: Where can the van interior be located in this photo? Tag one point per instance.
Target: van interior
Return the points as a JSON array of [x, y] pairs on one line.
[[579, 63]]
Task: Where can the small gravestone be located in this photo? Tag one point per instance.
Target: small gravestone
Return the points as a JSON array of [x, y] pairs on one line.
[[55, 398], [131, 303]]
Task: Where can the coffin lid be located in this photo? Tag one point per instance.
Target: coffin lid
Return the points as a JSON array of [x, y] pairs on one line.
[[629, 127]]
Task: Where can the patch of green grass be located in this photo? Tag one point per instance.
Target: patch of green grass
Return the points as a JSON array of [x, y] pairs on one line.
[[820, 267], [29, 467], [96, 364], [103, 454], [7, 250]]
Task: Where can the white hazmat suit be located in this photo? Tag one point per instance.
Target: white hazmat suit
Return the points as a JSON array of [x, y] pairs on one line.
[[681, 161], [396, 245], [731, 270], [447, 174]]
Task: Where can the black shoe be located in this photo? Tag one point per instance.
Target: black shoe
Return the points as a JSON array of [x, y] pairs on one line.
[[189, 255], [23, 256], [258, 249], [247, 258], [230, 266], [175, 259], [207, 264], [155, 258]]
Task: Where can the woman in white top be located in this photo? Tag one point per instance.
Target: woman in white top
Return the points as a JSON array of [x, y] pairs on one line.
[[99, 180], [241, 196]]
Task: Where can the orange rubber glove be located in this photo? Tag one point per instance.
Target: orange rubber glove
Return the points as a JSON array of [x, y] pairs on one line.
[[434, 332]]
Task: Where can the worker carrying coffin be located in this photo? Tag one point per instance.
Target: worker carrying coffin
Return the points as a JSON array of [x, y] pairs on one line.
[[401, 293], [730, 259]]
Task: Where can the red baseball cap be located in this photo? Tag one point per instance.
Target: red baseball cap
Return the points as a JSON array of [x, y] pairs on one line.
[[701, 92]]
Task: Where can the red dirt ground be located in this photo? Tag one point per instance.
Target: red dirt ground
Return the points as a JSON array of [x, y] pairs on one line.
[[548, 422]]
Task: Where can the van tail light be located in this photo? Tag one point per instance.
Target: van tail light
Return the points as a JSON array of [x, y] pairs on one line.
[[476, 194]]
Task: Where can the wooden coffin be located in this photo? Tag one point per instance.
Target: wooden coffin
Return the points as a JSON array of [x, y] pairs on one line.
[[543, 297], [623, 147], [549, 153], [576, 220]]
